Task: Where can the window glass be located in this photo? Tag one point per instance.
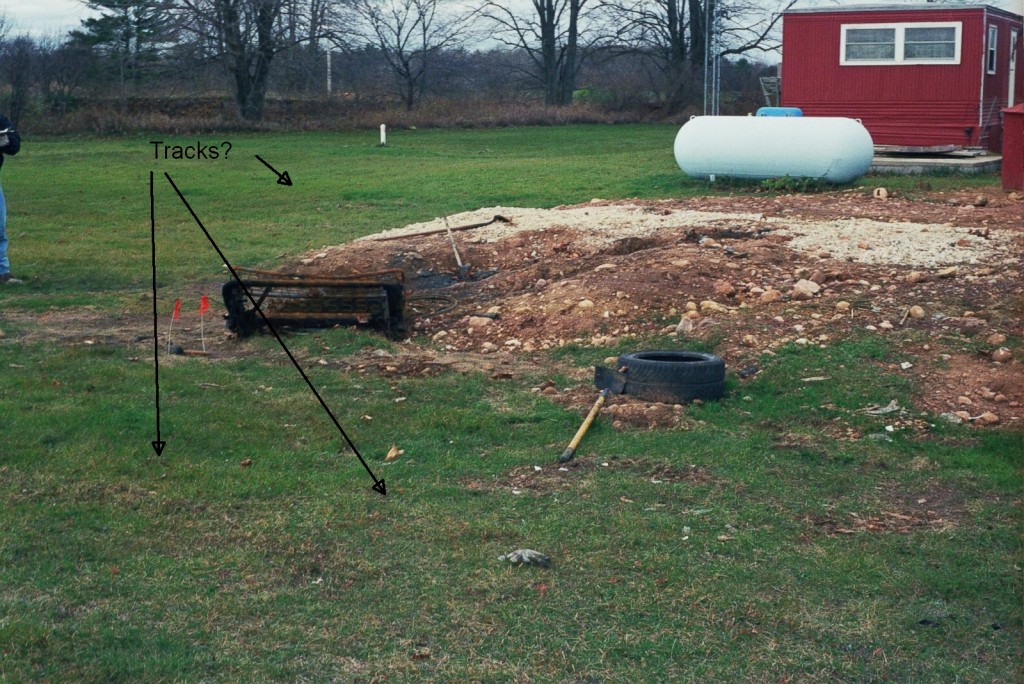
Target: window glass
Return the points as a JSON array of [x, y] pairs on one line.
[[929, 43], [992, 33], [870, 44]]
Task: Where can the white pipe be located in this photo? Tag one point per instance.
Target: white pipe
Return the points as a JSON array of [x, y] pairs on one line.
[[383, 135]]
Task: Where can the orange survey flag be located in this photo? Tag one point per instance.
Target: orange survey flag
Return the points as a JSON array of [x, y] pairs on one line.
[[177, 310], [204, 304]]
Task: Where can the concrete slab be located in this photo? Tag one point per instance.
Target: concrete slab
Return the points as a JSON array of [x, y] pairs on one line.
[[984, 163]]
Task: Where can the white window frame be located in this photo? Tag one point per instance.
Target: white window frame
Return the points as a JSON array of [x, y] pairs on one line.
[[991, 54], [900, 32]]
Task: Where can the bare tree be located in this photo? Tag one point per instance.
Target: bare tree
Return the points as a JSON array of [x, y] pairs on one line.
[[551, 35], [681, 36], [410, 34], [63, 69], [19, 60], [247, 35]]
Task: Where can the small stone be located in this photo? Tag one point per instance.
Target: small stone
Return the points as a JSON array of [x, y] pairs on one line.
[[885, 325], [986, 393], [999, 398], [916, 277], [439, 335], [711, 305], [1002, 355], [749, 341], [947, 272], [549, 391], [692, 315], [843, 306], [585, 305], [916, 312], [980, 201], [770, 296], [685, 326], [993, 339], [479, 321], [962, 415], [964, 401], [724, 288], [607, 267], [951, 418], [691, 306], [494, 311], [805, 289], [540, 284], [880, 194], [988, 418], [488, 347], [863, 245]]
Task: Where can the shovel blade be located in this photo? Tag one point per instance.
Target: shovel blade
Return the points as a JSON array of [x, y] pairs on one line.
[[608, 379]]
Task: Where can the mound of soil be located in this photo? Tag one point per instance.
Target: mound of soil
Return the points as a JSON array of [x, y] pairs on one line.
[[940, 271]]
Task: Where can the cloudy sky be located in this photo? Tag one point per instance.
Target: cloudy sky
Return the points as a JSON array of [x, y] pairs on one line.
[[56, 17], [43, 17]]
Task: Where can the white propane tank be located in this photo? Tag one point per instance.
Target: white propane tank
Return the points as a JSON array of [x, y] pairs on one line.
[[830, 148]]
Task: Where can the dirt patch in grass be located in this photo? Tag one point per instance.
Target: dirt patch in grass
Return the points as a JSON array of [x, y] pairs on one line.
[[931, 506], [537, 480], [551, 478]]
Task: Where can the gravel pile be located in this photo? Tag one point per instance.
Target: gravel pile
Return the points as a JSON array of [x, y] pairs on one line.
[[853, 239]]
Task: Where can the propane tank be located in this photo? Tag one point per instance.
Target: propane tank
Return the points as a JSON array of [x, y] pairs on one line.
[[833, 149]]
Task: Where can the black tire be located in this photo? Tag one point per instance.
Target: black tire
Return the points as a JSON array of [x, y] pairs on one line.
[[672, 367], [675, 393]]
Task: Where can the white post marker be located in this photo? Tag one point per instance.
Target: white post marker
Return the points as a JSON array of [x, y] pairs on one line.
[[383, 135]]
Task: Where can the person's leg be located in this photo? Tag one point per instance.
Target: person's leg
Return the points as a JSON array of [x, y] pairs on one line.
[[5, 265]]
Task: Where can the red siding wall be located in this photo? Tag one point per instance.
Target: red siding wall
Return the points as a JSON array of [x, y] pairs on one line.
[[901, 104]]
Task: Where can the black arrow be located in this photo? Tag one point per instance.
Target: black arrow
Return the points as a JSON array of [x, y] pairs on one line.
[[282, 177], [378, 485], [158, 444]]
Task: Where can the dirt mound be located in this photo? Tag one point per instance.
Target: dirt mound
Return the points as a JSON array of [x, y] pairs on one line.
[[754, 273]]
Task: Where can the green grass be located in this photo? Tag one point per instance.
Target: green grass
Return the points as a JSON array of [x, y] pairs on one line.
[[708, 554]]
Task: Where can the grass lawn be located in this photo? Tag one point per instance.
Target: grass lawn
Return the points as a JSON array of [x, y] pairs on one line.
[[758, 546]]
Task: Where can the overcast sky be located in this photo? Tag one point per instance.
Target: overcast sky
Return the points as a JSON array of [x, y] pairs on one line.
[[57, 17]]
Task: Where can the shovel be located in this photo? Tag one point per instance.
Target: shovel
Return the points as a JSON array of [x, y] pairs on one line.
[[570, 450]]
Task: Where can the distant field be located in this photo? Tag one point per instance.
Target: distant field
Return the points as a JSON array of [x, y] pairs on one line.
[[740, 549]]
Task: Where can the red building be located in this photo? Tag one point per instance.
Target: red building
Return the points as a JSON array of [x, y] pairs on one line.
[[925, 75]]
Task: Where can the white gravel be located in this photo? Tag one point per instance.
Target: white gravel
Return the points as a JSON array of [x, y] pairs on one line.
[[853, 239]]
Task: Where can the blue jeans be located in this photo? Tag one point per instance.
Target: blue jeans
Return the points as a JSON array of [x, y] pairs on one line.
[[5, 265]]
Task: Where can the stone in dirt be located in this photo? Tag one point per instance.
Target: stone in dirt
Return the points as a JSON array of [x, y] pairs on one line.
[[770, 297], [1002, 355], [805, 289], [723, 288]]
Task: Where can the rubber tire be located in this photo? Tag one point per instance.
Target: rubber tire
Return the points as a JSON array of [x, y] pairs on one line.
[[672, 367], [675, 393]]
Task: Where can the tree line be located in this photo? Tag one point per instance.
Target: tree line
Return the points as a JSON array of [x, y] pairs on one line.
[[618, 53]]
